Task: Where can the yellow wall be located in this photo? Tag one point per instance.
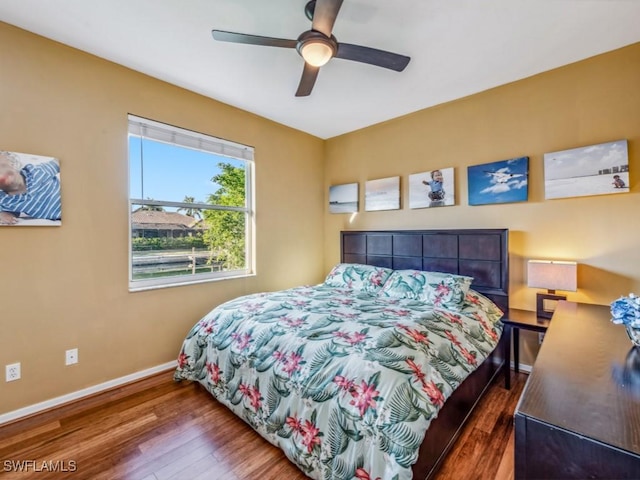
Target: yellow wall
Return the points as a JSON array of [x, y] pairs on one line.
[[590, 102], [65, 287]]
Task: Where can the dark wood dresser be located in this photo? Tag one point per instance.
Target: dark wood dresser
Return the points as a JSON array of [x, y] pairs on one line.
[[579, 414]]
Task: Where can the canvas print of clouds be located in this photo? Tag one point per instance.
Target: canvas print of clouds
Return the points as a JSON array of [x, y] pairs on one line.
[[505, 181], [343, 198], [594, 170]]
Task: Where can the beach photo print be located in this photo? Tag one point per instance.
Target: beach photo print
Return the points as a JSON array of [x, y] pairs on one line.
[[382, 194], [29, 190], [506, 181], [595, 170], [343, 198]]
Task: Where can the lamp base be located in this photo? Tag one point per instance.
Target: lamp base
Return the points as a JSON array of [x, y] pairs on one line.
[[546, 304]]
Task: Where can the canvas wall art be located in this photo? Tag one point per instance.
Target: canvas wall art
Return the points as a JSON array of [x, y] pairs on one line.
[[594, 170], [29, 190], [382, 194], [432, 189], [505, 181], [343, 198]]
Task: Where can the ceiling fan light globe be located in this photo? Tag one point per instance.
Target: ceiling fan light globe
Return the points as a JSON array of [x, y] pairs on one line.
[[316, 53]]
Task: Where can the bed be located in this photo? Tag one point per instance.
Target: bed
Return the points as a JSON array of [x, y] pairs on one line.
[[372, 373]]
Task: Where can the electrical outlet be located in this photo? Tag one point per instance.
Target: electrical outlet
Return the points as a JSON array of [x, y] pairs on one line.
[[71, 356], [12, 372]]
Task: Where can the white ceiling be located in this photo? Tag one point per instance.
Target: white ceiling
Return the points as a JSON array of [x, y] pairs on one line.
[[457, 48]]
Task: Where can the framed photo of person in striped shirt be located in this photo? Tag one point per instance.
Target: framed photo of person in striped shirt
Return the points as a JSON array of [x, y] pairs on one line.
[[29, 190]]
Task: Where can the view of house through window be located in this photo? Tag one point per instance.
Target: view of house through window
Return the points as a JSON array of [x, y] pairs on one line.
[[190, 199]]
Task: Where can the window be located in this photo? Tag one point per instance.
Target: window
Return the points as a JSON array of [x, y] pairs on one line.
[[190, 198]]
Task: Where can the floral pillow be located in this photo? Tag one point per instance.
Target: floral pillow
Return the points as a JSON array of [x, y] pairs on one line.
[[439, 289], [357, 277]]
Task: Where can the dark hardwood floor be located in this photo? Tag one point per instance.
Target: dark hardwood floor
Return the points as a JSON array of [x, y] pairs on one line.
[[156, 429]]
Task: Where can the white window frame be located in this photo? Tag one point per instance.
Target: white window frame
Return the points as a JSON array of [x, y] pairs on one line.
[[150, 129]]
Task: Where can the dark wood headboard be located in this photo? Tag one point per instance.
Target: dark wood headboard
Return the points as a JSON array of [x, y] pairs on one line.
[[479, 253]]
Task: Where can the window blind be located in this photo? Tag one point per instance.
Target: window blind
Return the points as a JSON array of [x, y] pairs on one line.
[[145, 128]]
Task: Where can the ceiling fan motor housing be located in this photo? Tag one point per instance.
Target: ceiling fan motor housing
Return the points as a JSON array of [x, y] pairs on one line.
[[309, 9]]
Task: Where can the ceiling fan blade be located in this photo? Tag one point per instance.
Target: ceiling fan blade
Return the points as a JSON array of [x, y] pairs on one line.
[[324, 15], [372, 56], [308, 80], [252, 39]]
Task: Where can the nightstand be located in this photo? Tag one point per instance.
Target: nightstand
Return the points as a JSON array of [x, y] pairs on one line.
[[513, 321]]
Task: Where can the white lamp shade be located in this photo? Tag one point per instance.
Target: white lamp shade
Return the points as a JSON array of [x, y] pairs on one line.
[[552, 275]]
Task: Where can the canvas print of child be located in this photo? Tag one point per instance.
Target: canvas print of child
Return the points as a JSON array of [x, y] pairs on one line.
[[431, 189], [29, 190]]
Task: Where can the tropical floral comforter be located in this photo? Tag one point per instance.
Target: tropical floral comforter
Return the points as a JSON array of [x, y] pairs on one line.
[[345, 384]]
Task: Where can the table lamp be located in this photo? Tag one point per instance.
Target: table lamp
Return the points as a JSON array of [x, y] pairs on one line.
[[552, 275]]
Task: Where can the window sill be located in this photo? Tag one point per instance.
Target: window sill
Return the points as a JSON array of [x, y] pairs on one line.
[[143, 288]]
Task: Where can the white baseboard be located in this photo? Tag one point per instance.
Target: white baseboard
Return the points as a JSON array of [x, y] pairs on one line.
[[57, 401], [523, 367], [85, 392]]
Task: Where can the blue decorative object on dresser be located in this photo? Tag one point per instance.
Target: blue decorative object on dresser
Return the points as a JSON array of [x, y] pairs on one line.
[[626, 311]]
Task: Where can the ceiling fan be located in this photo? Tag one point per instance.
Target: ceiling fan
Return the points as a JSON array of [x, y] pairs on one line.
[[318, 45]]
